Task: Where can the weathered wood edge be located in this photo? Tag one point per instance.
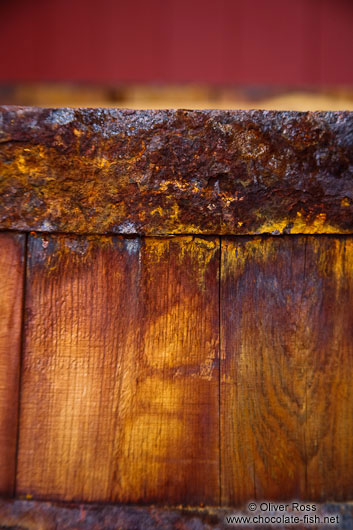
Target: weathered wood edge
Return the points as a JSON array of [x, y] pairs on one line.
[[176, 171]]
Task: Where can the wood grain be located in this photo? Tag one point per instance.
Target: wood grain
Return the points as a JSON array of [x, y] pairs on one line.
[[12, 248], [120, 393], [287, 368]]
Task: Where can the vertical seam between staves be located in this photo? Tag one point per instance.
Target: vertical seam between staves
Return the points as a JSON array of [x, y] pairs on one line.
[[21, 354], [306, 381], [219, 371]]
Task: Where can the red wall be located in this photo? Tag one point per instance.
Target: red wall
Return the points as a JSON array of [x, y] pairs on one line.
[[283, 42]]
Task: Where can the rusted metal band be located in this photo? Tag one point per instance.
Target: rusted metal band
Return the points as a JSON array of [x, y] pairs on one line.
[[176, 172], [18, 514]]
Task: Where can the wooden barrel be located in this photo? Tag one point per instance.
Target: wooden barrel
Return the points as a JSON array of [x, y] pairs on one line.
[[176, 297]]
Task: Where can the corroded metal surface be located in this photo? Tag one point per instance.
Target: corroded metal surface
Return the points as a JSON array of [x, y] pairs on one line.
[[173, 172], [31, 515], [34, 515]]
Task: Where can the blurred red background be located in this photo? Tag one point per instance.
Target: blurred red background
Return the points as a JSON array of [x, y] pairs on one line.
[[249, 42]]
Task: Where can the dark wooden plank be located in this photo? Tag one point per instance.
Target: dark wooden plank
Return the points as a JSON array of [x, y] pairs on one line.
[[120, 394], [329, 438], [176, 172], [286, 369], [12, 248]]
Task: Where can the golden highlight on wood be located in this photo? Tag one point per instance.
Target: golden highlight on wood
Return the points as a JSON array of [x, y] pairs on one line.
[[178, 329], [286, 369], [123, 395], [120, 393]]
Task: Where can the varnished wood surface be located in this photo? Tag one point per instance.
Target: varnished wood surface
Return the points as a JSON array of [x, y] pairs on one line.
[[11, 297], [286, 368], [120, 393]]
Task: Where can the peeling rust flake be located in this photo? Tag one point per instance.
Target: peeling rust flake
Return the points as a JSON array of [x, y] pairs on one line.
[[111, 171]]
